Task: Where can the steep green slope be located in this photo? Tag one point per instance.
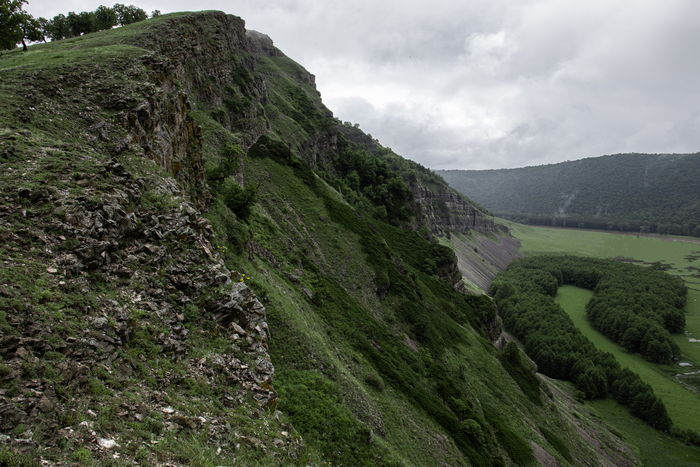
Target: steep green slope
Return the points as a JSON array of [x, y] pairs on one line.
[[198, 272], [656, 193]]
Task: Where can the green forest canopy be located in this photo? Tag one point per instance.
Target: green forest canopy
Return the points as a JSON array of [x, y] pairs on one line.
[[652, 193], [637, 307]]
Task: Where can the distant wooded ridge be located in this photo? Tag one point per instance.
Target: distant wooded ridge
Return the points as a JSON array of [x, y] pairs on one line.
[[649, 193]]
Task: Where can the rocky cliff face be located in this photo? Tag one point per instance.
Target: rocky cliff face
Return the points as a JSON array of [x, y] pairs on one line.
[[262, 44], [312, 134], [443, 209], [159, 125], [129, 333], [208, 55], [96, 292], [212, 60], [208, 58]]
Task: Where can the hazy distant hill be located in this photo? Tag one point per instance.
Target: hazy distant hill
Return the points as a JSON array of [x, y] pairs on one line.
[[655, 192]]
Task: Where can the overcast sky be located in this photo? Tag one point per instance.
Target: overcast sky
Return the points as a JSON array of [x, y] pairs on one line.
[[482, 84]]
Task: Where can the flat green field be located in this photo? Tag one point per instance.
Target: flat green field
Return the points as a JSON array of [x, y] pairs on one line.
[[683, 406], [670, 250], [682, 256]]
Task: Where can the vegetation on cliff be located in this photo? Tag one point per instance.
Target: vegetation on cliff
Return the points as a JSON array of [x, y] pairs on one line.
[[193, 275], [441, 207]]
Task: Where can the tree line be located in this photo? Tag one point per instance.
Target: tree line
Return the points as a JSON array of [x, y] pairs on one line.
[[637, 307], [17, 26], [687, 229], [647, 193]]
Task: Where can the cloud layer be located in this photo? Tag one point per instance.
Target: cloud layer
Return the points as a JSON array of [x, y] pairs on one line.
[[491, 84]]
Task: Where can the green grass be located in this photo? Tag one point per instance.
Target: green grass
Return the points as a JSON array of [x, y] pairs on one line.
[[679, 253], [683, 406], [93, 48], [654, 448], [303, 343], [10, 458], [326, 336], [293, 107], [558, 444], [691, 349], [38, 56], [552, 241], [311, 230]]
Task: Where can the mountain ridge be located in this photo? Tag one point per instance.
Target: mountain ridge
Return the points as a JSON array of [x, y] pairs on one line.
[[201, 270], [654, 193]]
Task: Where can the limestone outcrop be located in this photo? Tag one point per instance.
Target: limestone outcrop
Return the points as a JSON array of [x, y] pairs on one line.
[[208, 56], [443, 209], [196, 58]]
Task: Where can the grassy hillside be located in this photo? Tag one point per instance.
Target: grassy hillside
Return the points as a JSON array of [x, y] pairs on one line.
[[656, 193], [194, 276]]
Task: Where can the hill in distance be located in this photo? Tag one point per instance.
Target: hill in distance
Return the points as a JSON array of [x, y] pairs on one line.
[[652, 193]]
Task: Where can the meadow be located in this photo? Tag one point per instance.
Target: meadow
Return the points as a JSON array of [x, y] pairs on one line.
[[678, 254], [674, 383], [683, 406]]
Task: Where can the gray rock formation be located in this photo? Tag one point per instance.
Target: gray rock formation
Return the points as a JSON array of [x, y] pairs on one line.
[[444, 209], [156, 263]]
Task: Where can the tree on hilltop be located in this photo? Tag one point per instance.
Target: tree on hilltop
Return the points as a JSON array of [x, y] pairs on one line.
[[81, 23], [129, 14], [19, 27], [105, 18], [16, 25], [85, 22]]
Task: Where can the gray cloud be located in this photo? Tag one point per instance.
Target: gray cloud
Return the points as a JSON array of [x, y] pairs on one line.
[[490, 84]]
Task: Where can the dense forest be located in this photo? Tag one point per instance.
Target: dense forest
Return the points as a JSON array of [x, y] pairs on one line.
[[649, 193], [637, 307]]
